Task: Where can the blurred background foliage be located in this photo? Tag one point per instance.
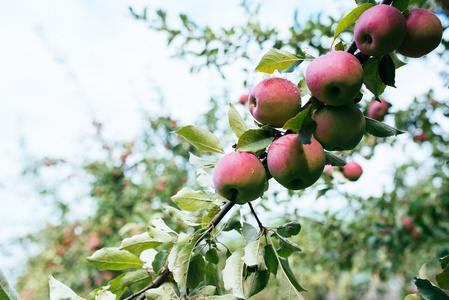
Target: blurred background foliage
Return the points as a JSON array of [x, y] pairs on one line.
[[362, 248]]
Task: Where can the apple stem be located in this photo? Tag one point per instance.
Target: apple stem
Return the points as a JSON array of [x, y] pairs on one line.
[[262, 228]]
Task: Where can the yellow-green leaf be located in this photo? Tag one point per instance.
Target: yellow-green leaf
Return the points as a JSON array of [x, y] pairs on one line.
[[202, 139], [276, 60]]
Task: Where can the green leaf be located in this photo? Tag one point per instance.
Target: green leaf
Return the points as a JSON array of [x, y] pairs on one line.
[[236, 122], [136, 280], [167, 291], [387, 70], [105, 295], [179, 259], [371, 77], [7, 292], [233, 222], [413, 297], [289, 229], [138, 243], [443, 278], [339, 46], [159, 260], [271, 259], [289, 287], [212, 256], [397, 62], [303, 88], [233, 273], [181, 216], [401, 4], [292, 67], [202, 139], [201, 162], [428, 291], [334, 160], [112, 258], [250, 233], [360, 2], [191, 200], [160, 233], [195, 275], [256, 282], [222, 297], [276, 60], [286, 247], [212, 276], [58, 291], [203, 291], [444, 261], [351, 18], [295, 123], [254, 140], [380, 129], [254, 256]]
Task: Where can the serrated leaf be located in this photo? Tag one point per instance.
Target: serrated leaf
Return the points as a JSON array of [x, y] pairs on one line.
[[286, 247], [428, 291], [276, 60], [256, 282], [138, 243], [7, 292], [254, 140], [401, 4], [136, 280], [380, 129], [236, 122], [288, 285], [289, 229], [351, 18], [190, 200], [167, 291], [179, 259], [250, 233], [201, 162], [254, 256], [387, 70], [196, 271], [58, 291], [334, 160], [202, 139], [233, 273], [181, 216], [371, 77], [397, 62], [112, 258]]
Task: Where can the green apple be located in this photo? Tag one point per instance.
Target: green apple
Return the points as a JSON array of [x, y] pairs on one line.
[[294, 165], [339, 127], [239, 176], [335, 78]]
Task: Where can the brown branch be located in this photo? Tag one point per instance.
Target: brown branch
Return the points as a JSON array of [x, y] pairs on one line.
[[163, 276], [255, 216]]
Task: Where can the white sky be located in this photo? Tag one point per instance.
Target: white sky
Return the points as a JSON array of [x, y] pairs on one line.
[[64, 64]]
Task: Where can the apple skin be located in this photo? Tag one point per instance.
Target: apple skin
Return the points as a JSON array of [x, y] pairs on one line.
[[241, 173], [339, 127], [424, 33], [378, 110], [243, 99], [293, 165], [274, 101], [380, 30], [335, 78], [352, 171]]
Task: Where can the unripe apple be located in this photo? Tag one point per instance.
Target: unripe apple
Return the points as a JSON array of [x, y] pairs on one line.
[[339, 127], [274, 101], [352, 171], [239, 176], [294, 165], [335, 78], [243, 99], [380, 30], [378, 110], [424, 33]]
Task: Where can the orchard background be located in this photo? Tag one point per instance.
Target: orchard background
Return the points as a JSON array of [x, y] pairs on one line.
[[354, 241]]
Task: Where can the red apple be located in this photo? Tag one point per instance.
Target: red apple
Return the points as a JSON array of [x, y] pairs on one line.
[[274, 101], [420, 137], [380, 30], [408, 223], [335, 78], [378, 110], [293, 165], [239, 176], [352, 171], [243, 99]]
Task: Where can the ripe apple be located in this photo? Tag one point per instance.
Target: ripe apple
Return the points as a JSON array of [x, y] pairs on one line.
[[380, 30], [424, 33], [243, 99], [239, 176], [335, 78], [378, 110], [339, 127], [294, 165], [328, 169], [408, 223], [274, 101], [352, 171], [420, 137]]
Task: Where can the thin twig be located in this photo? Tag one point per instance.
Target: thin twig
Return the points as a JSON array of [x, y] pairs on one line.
[[255, 216]]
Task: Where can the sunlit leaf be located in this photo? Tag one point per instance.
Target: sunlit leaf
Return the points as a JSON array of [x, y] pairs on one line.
[[112, 258], [201, 162], [191, 200], [351, 18], [136, 280], [179, 259], [233, 273], [7, 292], [181, 215], [254, 255], [276, 60], [138, 243], [58, 291], [202, 139], [289, 287], [254, 140], [236, 122], [167, 291]]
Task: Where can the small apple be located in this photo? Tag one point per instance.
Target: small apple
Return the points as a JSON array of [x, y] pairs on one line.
[[380, 30], [274, 101], [328, 169], [352, 171], [378, 110], [408, 223], [339, 127], [239, 176], [243, 99], [335, 78], [294, 165], [420, 137], [424, 33]]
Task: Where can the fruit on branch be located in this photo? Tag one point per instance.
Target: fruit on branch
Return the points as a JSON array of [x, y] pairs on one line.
[[378, 110], [243, 99], [408, 223], [274, 101], [339, 127], [380, 30], [328, 170], [294, 165], [424, 33], [352, 171], [335, 78], [240, 175], [420, 137]]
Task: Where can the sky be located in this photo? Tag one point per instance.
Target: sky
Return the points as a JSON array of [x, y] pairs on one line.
[[65, 64]]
